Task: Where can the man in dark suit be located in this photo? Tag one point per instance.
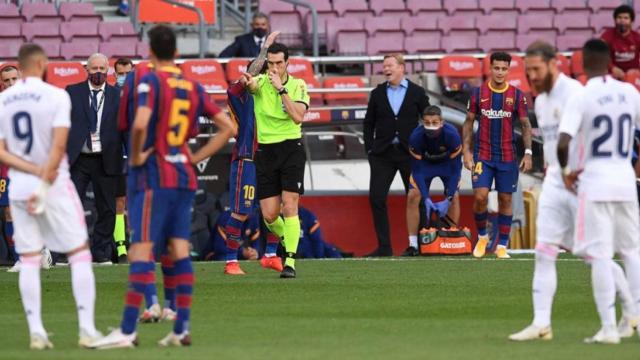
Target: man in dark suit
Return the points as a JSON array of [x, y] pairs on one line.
[[392, 114], [94, 149], [248, 45]]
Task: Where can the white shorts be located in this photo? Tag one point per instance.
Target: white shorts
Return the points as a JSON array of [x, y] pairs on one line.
[[556, 217], [605, 228], [60, 228]]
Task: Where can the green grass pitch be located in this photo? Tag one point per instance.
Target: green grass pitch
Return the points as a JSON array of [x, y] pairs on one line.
[[435, 308]]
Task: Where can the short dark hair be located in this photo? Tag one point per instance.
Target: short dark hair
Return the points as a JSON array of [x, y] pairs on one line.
[[432, 110], [595, 56], [162, 41], [27, 51], [259, 15], [500, 56], [279, 48], [624, 9], [8, 68], [543, 49], [123, 62]]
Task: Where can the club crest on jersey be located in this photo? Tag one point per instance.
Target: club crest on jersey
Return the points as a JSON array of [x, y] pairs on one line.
[[509, 101]]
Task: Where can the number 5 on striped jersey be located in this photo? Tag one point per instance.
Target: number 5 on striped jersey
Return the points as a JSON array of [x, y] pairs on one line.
[[178, 122]]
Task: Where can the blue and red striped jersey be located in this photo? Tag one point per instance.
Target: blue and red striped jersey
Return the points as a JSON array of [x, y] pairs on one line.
[[129, 95], [240, 104], [495, 112], [176, 105]]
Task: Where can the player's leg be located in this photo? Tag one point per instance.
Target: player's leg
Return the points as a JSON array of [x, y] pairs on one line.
[[29, 242], [506, 184], [627, 245], [291, 231], [7, 227], [242, 189], [271, 208], [233, 229], [152, 312], [119, 232], [169, 283], [481, 179], [629, 319], [413, 220]]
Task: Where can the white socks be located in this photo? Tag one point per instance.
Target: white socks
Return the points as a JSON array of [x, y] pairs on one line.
[[413, 241], [622, 289], [84, 289], [604, 290], [632, 268], [544, 285], [29, 282]]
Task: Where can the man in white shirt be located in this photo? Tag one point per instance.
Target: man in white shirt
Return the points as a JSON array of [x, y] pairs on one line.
[[556, 205], [601, 117], [34, 125]]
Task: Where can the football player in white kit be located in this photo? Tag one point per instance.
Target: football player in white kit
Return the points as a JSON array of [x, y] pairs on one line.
[[34, 124], [556, 205], [602, 117]]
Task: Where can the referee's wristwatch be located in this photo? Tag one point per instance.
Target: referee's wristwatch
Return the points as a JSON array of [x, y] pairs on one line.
[[283, 91]]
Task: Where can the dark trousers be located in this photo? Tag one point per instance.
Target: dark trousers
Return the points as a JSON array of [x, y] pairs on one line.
[[383, 169], [89, 169]]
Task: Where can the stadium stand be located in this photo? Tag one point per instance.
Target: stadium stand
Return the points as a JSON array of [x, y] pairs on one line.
[[41, 12], [345, 82], [79, 11], [10, 14]]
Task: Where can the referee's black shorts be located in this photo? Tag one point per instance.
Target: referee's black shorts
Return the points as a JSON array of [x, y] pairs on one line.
[[280, 167]]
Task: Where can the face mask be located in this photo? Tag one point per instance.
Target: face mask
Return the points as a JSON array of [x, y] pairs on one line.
[[432, 131], [97, 79], [260, 32], [120, 80]]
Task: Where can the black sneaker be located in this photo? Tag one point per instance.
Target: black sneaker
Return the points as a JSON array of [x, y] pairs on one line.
[[411, 251], [288, 273], [122, 259]]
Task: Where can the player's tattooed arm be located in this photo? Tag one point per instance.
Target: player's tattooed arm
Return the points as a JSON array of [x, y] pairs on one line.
[[467, 140], [526, 163], [257, 64]]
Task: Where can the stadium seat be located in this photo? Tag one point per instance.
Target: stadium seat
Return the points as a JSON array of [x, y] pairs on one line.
[[520, 81], [9, 30], [9, 47], [351, 43], [117, 31], [576, 64], [418, 23], [78, 50], [80, 31], [142, 50], [572, 24], [9, 14], [345, 82], [496, 24], [325, 11], [418, 6], [423, 43], [235, 68], [527, 23], [571, 41], [633, 78], [118, 49], [62, 74], [351, 6], [600, 21], [462, 7], [335, 26], [51, 47], [496, 41], [41, 32], [215, 84], [502, 7], [79, 11], [460, 43], [516, 66], [300, 68], [385, 42], [540, 8], [201, 70], [316, 98], [605, 6], [458, 25], [577, 7], [523, 41], [396, 8], [564, 64], [383, 23], [269, 6], [459, 72], [41, 12], [290, 26]]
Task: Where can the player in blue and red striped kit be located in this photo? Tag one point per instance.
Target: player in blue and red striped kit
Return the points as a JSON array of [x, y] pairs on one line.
[[495, 105], [162, 183], [242, 180]]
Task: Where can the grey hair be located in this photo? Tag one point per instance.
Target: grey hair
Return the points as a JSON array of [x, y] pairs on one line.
[[260, 15], [98, 55]]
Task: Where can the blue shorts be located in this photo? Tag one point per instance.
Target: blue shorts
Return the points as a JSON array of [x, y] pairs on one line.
[[505, 174], [160, 214], [4, 192], [242, 186], [449, 172]]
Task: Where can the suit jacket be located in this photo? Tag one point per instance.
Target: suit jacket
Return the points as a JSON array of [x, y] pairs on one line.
[[243, 46], [380, 123], [111, 139]]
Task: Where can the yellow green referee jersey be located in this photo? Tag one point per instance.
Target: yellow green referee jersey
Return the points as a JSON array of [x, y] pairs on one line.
[[273, 123]]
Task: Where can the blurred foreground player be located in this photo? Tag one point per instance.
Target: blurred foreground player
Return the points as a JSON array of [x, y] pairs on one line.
[[34, 125], [164, 182]]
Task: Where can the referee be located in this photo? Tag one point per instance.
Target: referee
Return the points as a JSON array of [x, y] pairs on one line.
[[280, 102]]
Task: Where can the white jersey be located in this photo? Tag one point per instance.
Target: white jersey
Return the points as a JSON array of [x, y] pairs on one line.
[[29, 110], [549, 108], [604, 115]]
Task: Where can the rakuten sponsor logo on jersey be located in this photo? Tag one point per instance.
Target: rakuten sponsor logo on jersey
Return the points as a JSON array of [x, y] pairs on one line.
[[495, 114]]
